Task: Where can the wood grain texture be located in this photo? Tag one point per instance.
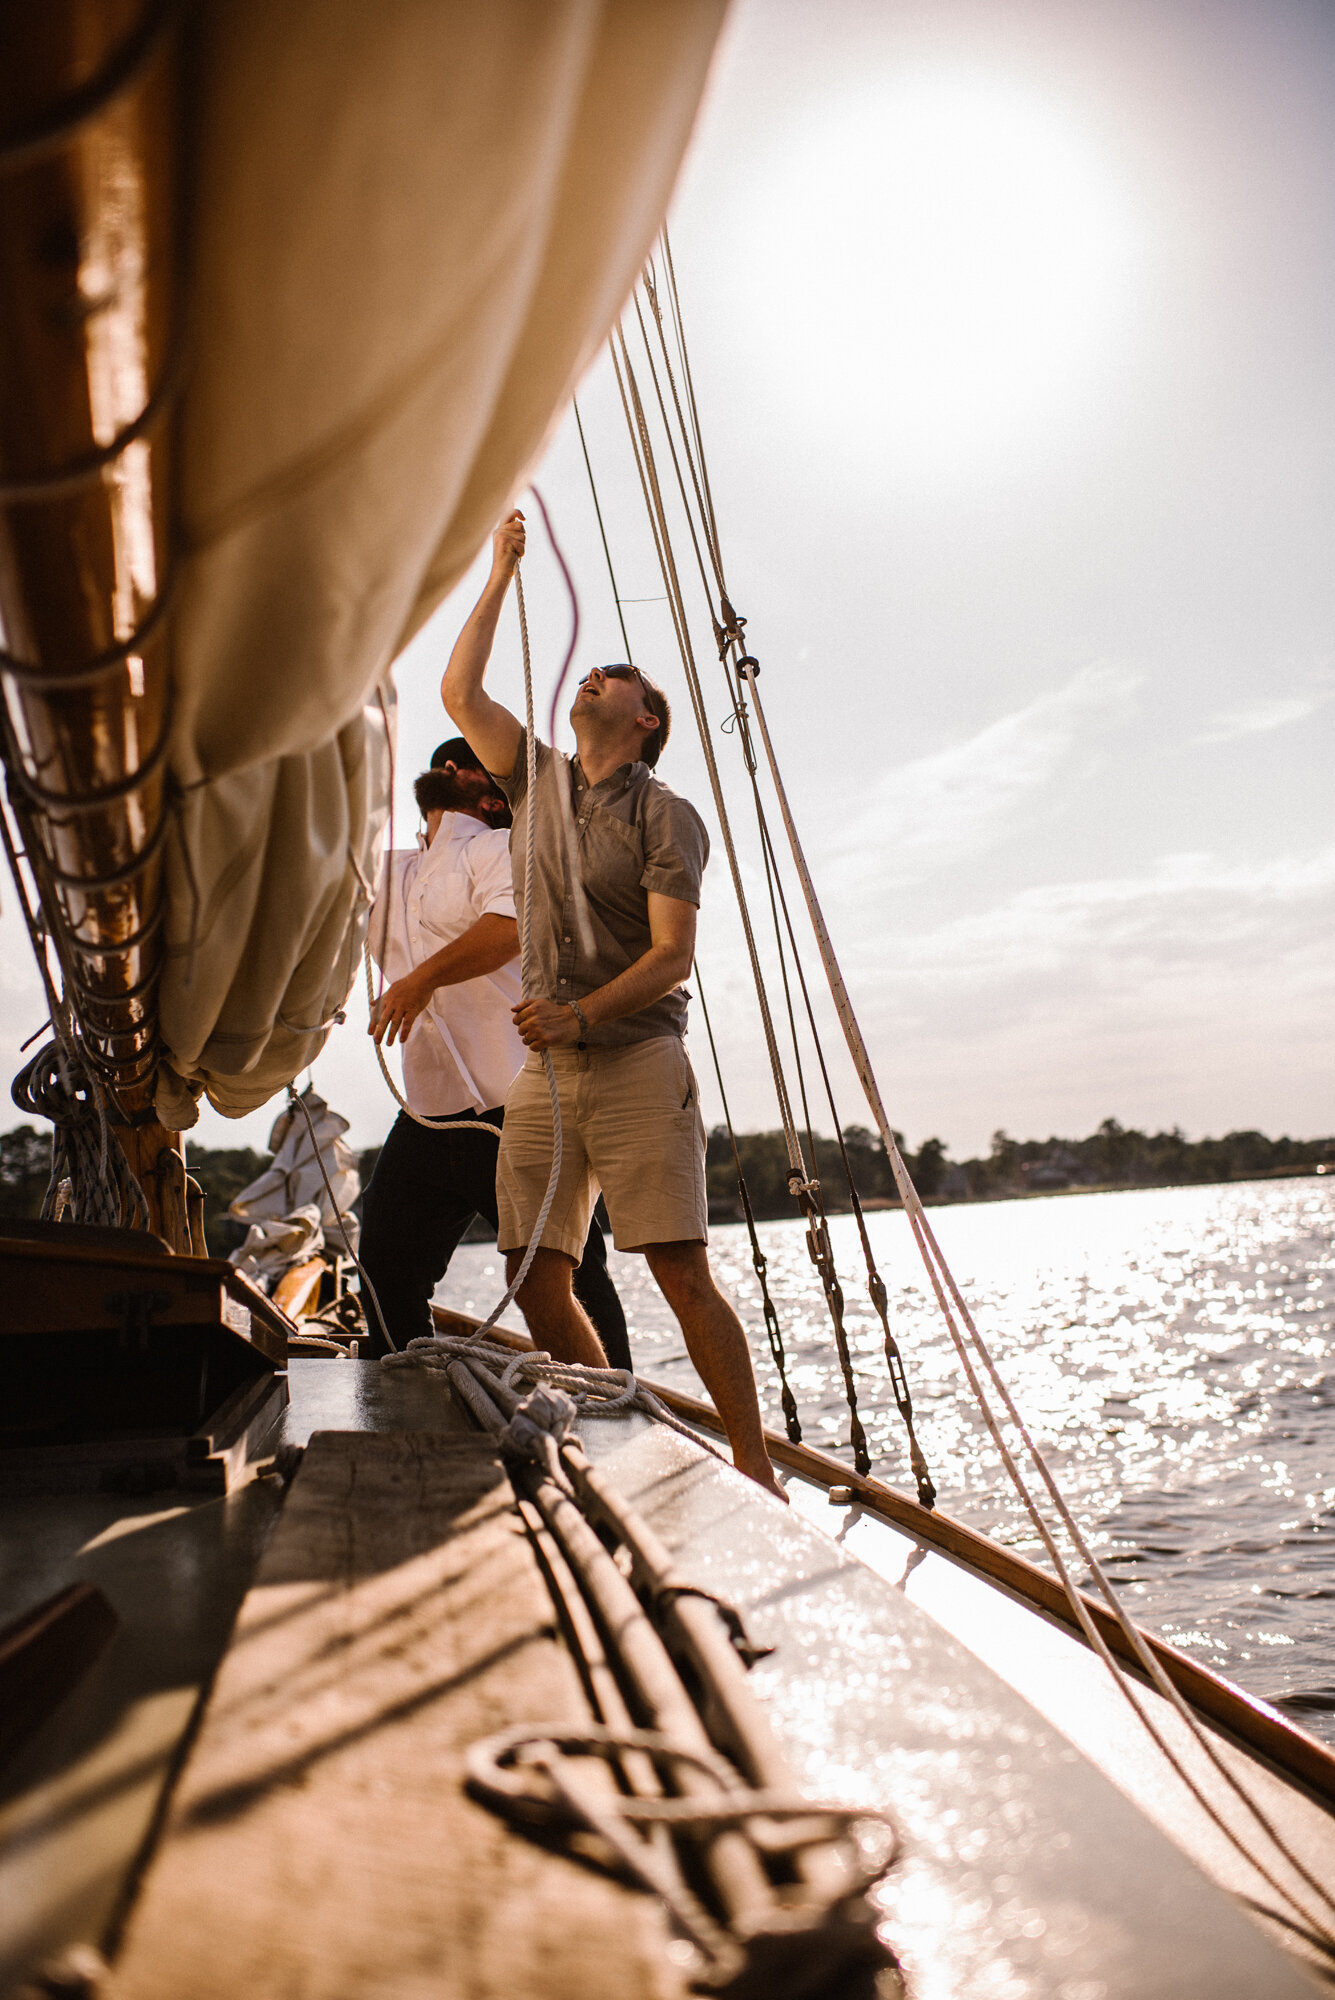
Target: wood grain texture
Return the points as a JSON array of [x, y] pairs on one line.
[[319, 1845]]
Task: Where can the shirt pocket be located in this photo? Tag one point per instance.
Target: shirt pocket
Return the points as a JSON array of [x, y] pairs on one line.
[[616, 851]]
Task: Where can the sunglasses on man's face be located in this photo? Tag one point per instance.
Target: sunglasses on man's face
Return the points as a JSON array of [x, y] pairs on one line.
[[613, 674]]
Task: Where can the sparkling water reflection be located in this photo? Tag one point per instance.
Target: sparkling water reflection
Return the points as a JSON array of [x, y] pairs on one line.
[[1172, 1351]]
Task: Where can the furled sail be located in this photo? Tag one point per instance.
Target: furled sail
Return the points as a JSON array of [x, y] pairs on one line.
[[402, 230]]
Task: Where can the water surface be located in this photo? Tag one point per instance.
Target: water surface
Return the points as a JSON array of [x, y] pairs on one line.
[[1172, 1350]]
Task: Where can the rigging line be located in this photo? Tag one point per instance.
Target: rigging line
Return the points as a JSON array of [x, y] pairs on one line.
[[451, 1123], [932, 1257], [1144, 1655], [876, 1291], [569, 837], [525, 951], [766, 856], [301, 1105], [688, 378], [75, 1069], [759, 1261], [643, 453], [875, 1283], [573, 595], [803, 1185], [650, 288], [392, 750], [611, 573], [672, 448], [812, 1205], [706, 508], [943, 1282]]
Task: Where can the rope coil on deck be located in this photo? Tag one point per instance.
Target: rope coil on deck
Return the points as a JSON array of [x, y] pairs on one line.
[[588, 1392], [776, 1954], [767, 1888]]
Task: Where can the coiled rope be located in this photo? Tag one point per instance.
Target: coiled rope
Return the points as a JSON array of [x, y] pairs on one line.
[[596, 1392], [85, 1152]]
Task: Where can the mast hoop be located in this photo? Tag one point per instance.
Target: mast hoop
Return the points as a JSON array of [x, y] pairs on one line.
[[58, 808], [88, 468], [67, 117], [55, 680]]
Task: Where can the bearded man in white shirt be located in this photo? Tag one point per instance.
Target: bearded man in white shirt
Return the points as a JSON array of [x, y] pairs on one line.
[[443, 932]]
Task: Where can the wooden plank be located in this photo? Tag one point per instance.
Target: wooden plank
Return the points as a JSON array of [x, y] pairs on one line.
[[46, 1653], [319, 1842], [293, 1290]]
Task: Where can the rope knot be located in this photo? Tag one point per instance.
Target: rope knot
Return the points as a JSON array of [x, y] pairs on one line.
[[538, 1428]]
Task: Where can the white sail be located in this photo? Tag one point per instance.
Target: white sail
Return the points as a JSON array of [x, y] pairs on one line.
[[414, 223]]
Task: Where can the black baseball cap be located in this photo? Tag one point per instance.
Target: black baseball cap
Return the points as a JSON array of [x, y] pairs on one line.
[[456, 751]]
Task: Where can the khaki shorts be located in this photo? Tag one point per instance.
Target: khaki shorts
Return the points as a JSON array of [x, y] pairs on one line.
[[631, 1125]]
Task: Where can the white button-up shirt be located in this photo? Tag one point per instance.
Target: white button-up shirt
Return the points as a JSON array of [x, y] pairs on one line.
[[463, 1050]]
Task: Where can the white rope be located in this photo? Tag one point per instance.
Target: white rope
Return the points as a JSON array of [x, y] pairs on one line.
[[653, 499], [951, 1301], [415, 1347], [450, 1124], [302, 1106], [596, 1392]]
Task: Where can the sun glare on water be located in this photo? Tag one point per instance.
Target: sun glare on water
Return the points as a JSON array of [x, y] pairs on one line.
[[955, 258]]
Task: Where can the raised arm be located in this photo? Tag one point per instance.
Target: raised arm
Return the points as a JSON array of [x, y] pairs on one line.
[[491, 731]]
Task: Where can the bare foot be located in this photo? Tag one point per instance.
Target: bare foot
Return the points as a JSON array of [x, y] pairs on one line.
[[763, 1474]]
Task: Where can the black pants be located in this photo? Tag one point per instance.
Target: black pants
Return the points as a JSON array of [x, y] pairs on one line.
[[427, 1187]]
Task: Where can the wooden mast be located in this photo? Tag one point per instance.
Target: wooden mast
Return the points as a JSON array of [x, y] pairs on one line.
[[89, 361]]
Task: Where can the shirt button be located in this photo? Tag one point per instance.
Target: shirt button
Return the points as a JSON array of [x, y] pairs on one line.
[[565, 938], [564, 982]]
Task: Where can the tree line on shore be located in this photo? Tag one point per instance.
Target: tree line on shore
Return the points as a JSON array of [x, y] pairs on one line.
[[1113, 1156]]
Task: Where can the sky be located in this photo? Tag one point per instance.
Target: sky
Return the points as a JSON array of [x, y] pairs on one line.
[[1013, 332]]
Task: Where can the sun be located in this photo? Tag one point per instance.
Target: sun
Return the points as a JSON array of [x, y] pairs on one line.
[[954, 259]]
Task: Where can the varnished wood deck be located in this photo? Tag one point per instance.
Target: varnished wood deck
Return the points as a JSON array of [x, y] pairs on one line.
[[319, 1842]]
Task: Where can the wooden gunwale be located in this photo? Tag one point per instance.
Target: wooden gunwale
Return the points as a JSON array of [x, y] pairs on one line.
[[1251, 1721]]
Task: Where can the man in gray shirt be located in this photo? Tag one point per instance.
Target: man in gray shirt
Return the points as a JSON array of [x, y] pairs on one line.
[[611, 940]]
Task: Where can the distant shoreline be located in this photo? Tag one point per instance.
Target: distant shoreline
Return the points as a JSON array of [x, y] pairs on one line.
[[879, 1203], [1111, 1159]]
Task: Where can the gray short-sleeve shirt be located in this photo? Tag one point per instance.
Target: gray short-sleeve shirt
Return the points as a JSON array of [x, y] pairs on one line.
[[633, 834]]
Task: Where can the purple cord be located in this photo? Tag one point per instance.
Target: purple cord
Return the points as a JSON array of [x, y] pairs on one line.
[[574, 614]]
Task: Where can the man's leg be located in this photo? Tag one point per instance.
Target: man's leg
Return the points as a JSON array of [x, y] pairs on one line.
[[592, 1286], [422, 1197], [523, 1170], [717, 1346], [598, 1295], [556, 1320]]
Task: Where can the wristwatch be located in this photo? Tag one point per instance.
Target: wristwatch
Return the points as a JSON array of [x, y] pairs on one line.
[[578, 1013]]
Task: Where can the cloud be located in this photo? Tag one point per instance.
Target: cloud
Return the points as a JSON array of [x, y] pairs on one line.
[[1266, 712], [1187, 911], [1195, 992], [954, 799]]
